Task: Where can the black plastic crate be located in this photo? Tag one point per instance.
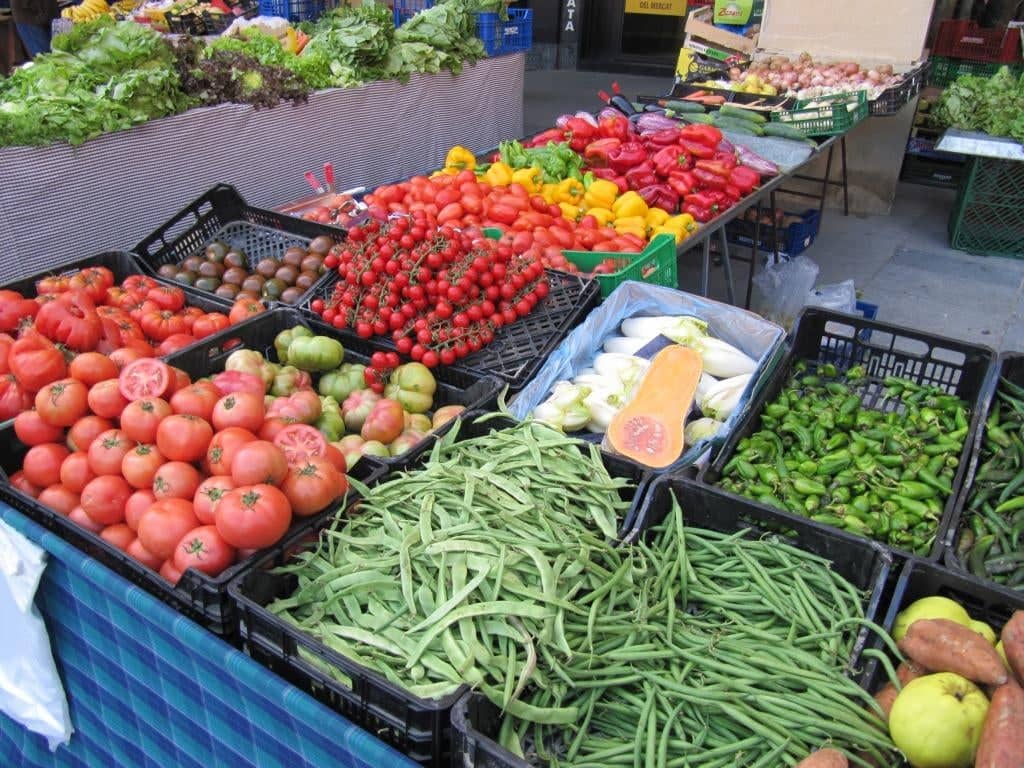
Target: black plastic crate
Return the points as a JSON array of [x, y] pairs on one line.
[[821, 336], [895, 97], [520, 348], [200, 597], [931, 170], [1010, 366], [920, 578], [419, 727], [222, 214], [867, 565], [454, 387]]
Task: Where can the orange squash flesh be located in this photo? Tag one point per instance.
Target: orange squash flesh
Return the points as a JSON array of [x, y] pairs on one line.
[[649, 429]]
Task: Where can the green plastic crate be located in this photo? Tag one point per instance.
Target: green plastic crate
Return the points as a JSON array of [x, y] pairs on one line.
[[944, 71], [837, 115], [656, 264], [988, 217]]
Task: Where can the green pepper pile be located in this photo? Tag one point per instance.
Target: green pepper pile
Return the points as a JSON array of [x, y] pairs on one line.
[[556, 161], [884, 472], [993, 523]]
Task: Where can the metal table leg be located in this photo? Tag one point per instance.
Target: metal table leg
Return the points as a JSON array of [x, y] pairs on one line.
[[705, 267], [826, 179], [730, 290], [846, 188]]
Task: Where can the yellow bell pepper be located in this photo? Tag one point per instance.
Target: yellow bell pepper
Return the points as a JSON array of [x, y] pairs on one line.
[[570, 191], [628, 205], [684, 222], [444, 172], [601, 194], [603, 215], [498, 175], [530, 178], [656, 217], [550, 193], [460, 159], [663, 230], [570, 211], [634, 225]]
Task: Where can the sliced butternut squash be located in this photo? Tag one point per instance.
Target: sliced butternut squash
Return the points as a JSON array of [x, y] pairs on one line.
[[649, 429]]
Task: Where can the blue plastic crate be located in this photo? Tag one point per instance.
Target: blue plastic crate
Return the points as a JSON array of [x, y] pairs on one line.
[[294, 10], [503, 37], [148, 688], [406, 9], [793, 239], [870, 312]]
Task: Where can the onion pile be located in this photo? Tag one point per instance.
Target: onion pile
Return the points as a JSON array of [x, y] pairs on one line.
[[807, 79]]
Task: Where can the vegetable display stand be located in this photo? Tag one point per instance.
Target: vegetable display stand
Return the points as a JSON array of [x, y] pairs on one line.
[[656, 264], [420, 727], [454, 386], [826, 115], [294, 10], [965, 39], [943, 71], [504, 37], [202, 598], [824, 338], [866, 565], [988, 217], [221, 214], [792, 239], [147, 687], [981, 539]]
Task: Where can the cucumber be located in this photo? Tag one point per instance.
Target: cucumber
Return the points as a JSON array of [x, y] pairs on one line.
[[783, 131], [736, 125], [731, 110], [694, 118], [680, 107]]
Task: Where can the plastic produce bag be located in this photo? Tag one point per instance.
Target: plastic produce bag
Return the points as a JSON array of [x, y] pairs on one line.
[[751, 334], [780, 290], [839, 297], [30, 689]]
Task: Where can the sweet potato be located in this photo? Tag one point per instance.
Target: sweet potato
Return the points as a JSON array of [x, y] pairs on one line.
[[1002, 738], [908, 671], [941, 645], [885, 697], [1013, 644], [824, 758]]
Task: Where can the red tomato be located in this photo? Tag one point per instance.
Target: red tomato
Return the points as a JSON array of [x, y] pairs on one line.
[[140, 418], [144, 378], [174, 342], [140, 465], [208, 496], [41, 464], [6, 342], [243, 309], [176, 480], [15, 310], [259, 462], [19, 481], [71, 319], [197, 399], [77, 515], [179, 380], [63, 402], [239, 409], [239, 381], [204, 549], [85, 430], [118, 535], [137, 505], [105, 399], [170, 572], [253, 516], [223, 447], [13, 397], [75, 472], [337, 458], [209, 324], [300, 442], [128, 354], [143, 555], [121, 332], [107, 452], [138, 283], [94, 281], [183, 437], [168, 297], [35, 361], [32, 430], [104, 499], [311, 485], [91, 368], [272, 426], [162, 527]]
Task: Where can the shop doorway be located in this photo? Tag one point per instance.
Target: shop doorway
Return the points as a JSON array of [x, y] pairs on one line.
[[615, 39]]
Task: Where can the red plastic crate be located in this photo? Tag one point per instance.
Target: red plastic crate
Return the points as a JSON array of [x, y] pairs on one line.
[[964, 39]]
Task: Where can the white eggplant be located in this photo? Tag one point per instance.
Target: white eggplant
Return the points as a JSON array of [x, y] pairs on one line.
[[701, 429], [721, 400], [625, 345], [721, 359], [682, 329]]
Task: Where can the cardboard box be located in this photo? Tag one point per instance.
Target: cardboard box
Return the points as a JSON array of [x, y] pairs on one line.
[[868, 31], [699, 27]]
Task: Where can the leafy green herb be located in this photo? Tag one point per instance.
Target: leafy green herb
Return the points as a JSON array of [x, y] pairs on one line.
[[994, 105]]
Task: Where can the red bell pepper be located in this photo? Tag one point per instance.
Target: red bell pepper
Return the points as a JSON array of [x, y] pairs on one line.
[[541, 139], [728, 158], [744, 178], [678, 181], [614, 128], [703, 215], [596, 152], [660, 196], [707, 135], [733, 192], [662, 138], [629, 155], [721, 199], [641, 176], [700, 199], [698, 150], [669, 159], [609, 175], [716, 167], [578, 132], [709, 180]]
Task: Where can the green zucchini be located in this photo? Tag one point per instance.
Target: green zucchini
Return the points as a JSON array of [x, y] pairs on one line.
[[731, 110], [684, 106], [783, 131], [736, 125], [690, 117]]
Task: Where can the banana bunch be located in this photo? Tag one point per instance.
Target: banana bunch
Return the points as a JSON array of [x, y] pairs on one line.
[[86, 11]]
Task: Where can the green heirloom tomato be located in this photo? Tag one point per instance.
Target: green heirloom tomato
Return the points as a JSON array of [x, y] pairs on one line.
[[351, 446], [315, 353], [331, 422], [342, 382], [251, 361], [284, 338], [357, 407], [413, 386], [289, 379], [374, 448]]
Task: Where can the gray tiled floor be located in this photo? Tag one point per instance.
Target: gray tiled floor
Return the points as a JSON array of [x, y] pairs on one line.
[[901, 262]]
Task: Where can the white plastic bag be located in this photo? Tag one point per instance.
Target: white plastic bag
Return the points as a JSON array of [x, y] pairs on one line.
[[30, 689], [840, 297], [780, 290]]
